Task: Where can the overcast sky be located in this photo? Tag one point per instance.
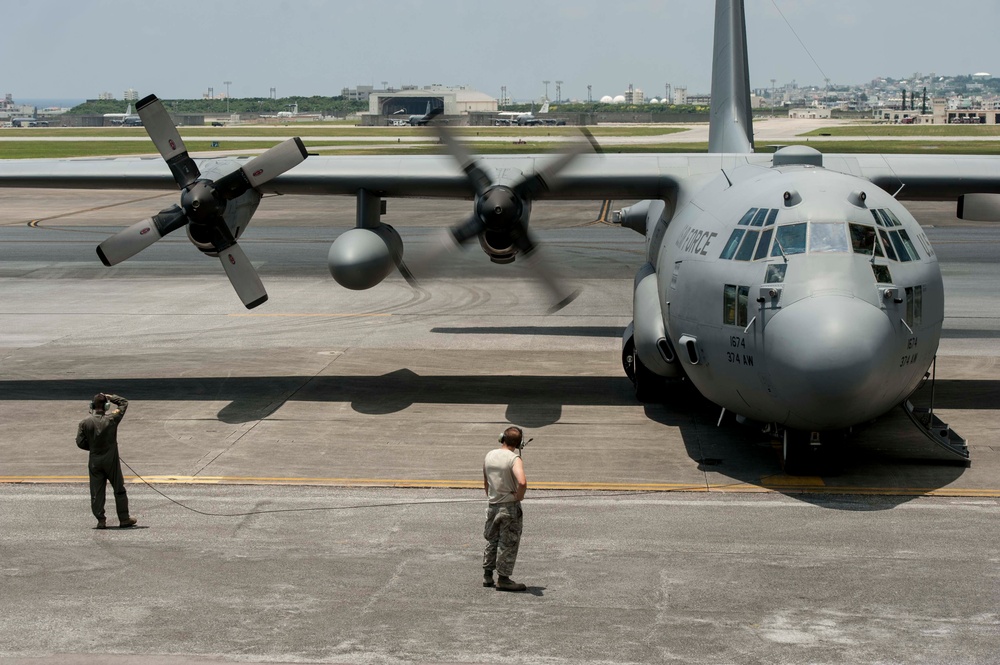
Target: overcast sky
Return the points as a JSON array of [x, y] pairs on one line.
[[80, 48]]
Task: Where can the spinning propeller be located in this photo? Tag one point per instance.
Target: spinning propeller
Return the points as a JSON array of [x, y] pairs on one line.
[[501, 212], [203, 202]]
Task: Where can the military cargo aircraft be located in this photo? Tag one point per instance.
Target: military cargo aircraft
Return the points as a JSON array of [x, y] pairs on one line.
[[793, 290]]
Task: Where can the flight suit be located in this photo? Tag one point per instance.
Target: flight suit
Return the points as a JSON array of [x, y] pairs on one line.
[[98, 433]]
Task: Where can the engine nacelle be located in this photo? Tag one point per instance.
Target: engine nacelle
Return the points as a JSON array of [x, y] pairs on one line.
[[362, 257], [237, 215], [499, 247], [651, 341]]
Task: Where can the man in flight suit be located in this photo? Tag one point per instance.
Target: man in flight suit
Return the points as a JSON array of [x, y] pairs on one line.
[[505, 485], [98, 433]]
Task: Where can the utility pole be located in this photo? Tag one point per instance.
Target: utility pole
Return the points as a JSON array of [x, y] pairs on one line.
[[503, 96], [773, 81], [546, 90], [558, 91], [228, 83], [590, 96]]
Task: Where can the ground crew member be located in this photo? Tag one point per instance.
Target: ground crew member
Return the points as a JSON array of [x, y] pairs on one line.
[[505, 485], [98, 433]]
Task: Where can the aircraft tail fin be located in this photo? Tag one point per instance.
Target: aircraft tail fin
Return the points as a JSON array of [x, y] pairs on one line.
[[731, 123], [428, 111], [545, 107], [128, 111]]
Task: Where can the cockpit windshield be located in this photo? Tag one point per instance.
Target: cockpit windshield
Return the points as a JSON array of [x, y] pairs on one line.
[[885, 239]]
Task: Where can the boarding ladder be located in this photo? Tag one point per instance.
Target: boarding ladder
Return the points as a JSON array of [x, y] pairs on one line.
[[933, 427]]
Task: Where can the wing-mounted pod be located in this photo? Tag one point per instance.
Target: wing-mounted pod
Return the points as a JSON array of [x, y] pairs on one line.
[[364, 256]]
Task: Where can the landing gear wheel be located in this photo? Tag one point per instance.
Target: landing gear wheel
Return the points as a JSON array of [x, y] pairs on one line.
[[798, 456], [648, 386]]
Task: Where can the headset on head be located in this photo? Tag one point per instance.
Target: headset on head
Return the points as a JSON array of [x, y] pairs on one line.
[[503, 434]]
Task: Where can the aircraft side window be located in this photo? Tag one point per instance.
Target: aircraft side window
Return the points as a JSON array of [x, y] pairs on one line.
[[905, 237], [758, 219], [745, 221], [732, 244], [889, 251], [745, 252], [771, 216], [864, 241], [909, 305], [742, 297], [790, 239], [882, 274], [677, 272], [775, 273], [729, 305], [918, 305], [763, 245], [901, 251], [827, 237]]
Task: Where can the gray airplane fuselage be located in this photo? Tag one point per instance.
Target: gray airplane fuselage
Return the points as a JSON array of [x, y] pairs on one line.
[[787, 299]]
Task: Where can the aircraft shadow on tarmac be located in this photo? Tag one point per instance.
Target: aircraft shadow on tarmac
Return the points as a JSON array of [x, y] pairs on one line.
[[875, 457]]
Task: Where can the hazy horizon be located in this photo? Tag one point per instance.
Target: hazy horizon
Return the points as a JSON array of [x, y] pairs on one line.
[[312, 47]]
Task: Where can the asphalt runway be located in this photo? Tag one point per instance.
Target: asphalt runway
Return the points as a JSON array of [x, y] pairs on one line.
[[689, 546]]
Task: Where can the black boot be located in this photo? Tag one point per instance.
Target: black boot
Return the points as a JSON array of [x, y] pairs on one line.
[[504, 583], [487, 578]]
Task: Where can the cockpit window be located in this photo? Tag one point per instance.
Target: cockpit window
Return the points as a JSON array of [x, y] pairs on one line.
[[732, 243], [901, 249], [745, 220], [882, 275], [745, 252], [758, 219], [771, 216], [904, 236], [892, 217], [790, 239], [864, 241], [889, 251], [763, 245], [827, 237]]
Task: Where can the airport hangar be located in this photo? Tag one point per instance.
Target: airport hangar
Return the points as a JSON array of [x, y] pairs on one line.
[[386, 106]]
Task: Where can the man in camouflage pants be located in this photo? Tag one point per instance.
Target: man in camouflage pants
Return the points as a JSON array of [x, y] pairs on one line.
[[505, 485], [98, 433]]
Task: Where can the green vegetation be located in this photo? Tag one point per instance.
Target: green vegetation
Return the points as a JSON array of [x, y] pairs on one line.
[[333, 106]]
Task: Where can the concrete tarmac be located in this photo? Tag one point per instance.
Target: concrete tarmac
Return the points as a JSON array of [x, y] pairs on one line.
[[354, 393]]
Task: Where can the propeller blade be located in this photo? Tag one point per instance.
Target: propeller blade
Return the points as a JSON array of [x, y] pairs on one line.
[[561, 294], [167, 140], [126, 244], [475, 173], [243, 276], [545, 177], [259, 170], [275, 161]]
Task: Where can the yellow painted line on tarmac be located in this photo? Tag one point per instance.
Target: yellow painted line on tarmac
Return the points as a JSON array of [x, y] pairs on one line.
[[311, 314], [766, 486], [792, 481]]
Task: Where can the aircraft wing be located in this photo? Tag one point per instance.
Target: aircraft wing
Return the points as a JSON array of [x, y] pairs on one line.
[[589, 177], [923, 177]]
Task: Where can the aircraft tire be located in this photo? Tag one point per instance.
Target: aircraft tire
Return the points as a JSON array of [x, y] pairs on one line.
[[648, 386]]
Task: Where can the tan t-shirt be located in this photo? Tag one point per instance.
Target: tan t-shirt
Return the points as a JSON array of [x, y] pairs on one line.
[[499, 470]]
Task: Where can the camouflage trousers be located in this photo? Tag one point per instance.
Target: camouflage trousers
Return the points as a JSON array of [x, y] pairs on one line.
[[503, 534]]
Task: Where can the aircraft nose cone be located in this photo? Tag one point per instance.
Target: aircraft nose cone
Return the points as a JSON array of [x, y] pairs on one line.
[[830, 359]]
